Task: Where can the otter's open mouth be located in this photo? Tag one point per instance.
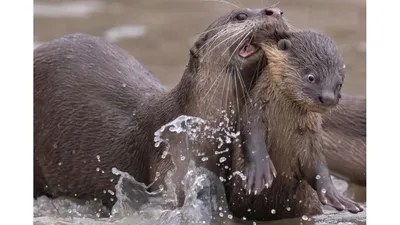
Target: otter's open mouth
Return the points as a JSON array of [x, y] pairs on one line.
[[248, 49]]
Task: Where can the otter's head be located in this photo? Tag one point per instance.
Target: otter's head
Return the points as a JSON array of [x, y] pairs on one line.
[[226, 60], [308, 68]]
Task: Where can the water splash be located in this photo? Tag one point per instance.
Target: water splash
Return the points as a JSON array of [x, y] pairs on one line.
[[205, 201], [182, 124]]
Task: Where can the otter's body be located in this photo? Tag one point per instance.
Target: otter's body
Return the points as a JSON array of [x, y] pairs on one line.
[[91, 116], [97, 108], [296, 87]]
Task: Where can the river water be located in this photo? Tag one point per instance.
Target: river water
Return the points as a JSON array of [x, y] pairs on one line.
[[159, 34]]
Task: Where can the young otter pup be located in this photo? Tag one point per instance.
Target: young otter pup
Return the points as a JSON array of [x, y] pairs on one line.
[[302, 80], [96, 107]]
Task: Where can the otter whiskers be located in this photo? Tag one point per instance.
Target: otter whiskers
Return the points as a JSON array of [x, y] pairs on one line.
[[226, 32], [222, 70], [222, 1], [246, 92]]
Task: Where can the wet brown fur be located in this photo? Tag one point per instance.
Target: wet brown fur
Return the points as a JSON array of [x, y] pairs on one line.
[[286, 191], [291, 114]]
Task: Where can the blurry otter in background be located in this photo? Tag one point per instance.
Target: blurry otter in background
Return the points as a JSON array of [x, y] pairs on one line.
[[344, 139]]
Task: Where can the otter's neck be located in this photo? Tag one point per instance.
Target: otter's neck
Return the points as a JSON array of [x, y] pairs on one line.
[[198, 94], [180, 100], [289, 115]]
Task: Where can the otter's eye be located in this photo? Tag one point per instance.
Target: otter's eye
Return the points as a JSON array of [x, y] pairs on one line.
[[340, 86], [241, 16], [311, 78]]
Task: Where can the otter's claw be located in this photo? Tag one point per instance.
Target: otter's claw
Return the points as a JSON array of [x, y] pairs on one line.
[[259, 175], [332, 197]]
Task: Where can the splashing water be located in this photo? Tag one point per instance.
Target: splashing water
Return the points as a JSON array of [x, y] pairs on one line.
[[205, 201], [137, 206], [182, 124]]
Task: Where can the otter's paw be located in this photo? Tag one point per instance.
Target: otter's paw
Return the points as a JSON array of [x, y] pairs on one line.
[[338, 201], [259, 175]]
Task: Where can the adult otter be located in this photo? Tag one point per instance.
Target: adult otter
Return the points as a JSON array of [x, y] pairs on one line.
[[96, 107], [344, 139], [297, 86]]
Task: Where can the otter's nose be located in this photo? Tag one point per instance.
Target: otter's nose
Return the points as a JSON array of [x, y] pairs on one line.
[[327, 98], [275, 12]]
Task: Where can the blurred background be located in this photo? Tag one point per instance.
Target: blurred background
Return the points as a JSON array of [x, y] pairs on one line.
[[159, 33]]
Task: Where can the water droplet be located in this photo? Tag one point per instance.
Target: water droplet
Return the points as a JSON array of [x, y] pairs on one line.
[[323, 190], [220, 208], [123, 85], [318, 177], [244, 218], [60, 163], [222, 159], [97, 169], [98, 158], [157, 174], [204, 159], [273, 211], [111, 192], [183, 157], [254, 223], [164, 154], [288, 208], [111, 180], [248, 210], [55, 145], [221, 214], [98, 215], [230, 216], [304, 217]]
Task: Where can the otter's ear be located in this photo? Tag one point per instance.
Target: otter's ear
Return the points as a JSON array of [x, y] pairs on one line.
[[284, 44]]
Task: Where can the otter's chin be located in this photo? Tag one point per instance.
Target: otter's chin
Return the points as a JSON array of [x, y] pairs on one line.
[[248, 49], [320, 109]]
